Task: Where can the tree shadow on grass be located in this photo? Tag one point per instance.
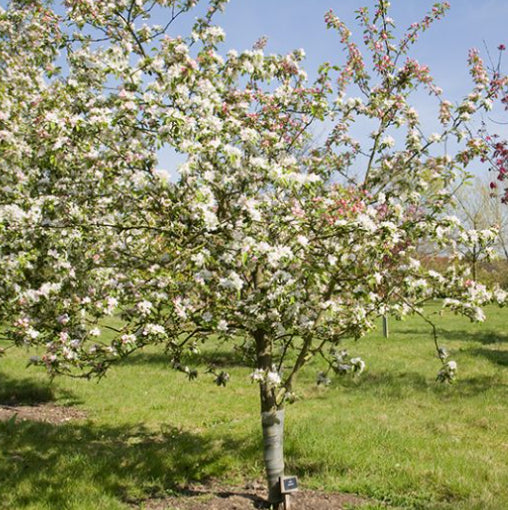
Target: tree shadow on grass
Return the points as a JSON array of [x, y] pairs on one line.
[[491, 338], [400, 385], [56, 466], [494, 356], [146, 358], [485, 337], [30, 391], [24, 391], [219, 358], [223, 358]]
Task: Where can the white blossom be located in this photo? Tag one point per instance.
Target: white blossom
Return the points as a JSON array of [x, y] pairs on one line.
[[144, 307], [233, 281]]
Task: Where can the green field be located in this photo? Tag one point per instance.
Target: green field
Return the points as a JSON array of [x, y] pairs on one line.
[[394, 435]]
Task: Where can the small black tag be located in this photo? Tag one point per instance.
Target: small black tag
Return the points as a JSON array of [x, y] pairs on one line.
[[288, 484]]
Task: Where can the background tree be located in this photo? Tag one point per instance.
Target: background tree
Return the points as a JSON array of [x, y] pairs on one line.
[[479, 208], [279, 256]]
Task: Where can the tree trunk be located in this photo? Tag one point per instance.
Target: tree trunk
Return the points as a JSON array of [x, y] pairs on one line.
[[272, 422], [273, 453]]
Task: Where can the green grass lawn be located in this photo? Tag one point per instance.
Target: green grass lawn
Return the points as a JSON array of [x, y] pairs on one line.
[[394, 435]]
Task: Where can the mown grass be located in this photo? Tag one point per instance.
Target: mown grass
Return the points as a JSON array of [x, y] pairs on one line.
[[394, 435]]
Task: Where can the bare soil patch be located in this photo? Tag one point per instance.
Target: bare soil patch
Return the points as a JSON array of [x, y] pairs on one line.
[[250, 497], [46, 412]]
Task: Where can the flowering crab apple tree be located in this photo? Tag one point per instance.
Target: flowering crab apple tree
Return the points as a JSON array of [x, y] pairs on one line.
[[496, 147], [278, 250]]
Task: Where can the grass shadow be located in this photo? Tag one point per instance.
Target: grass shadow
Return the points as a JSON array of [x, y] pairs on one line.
[[220, 358], [30, 391], [400, 385], [25, 391], [486, 337], [472, 386], [54, 465], [494, 356], [146, 358], [386, 384]]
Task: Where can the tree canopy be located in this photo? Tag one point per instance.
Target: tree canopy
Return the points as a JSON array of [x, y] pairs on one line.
[[266, 230]]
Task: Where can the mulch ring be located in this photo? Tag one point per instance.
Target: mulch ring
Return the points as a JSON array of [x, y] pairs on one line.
[[200, 497], [47, 412]]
